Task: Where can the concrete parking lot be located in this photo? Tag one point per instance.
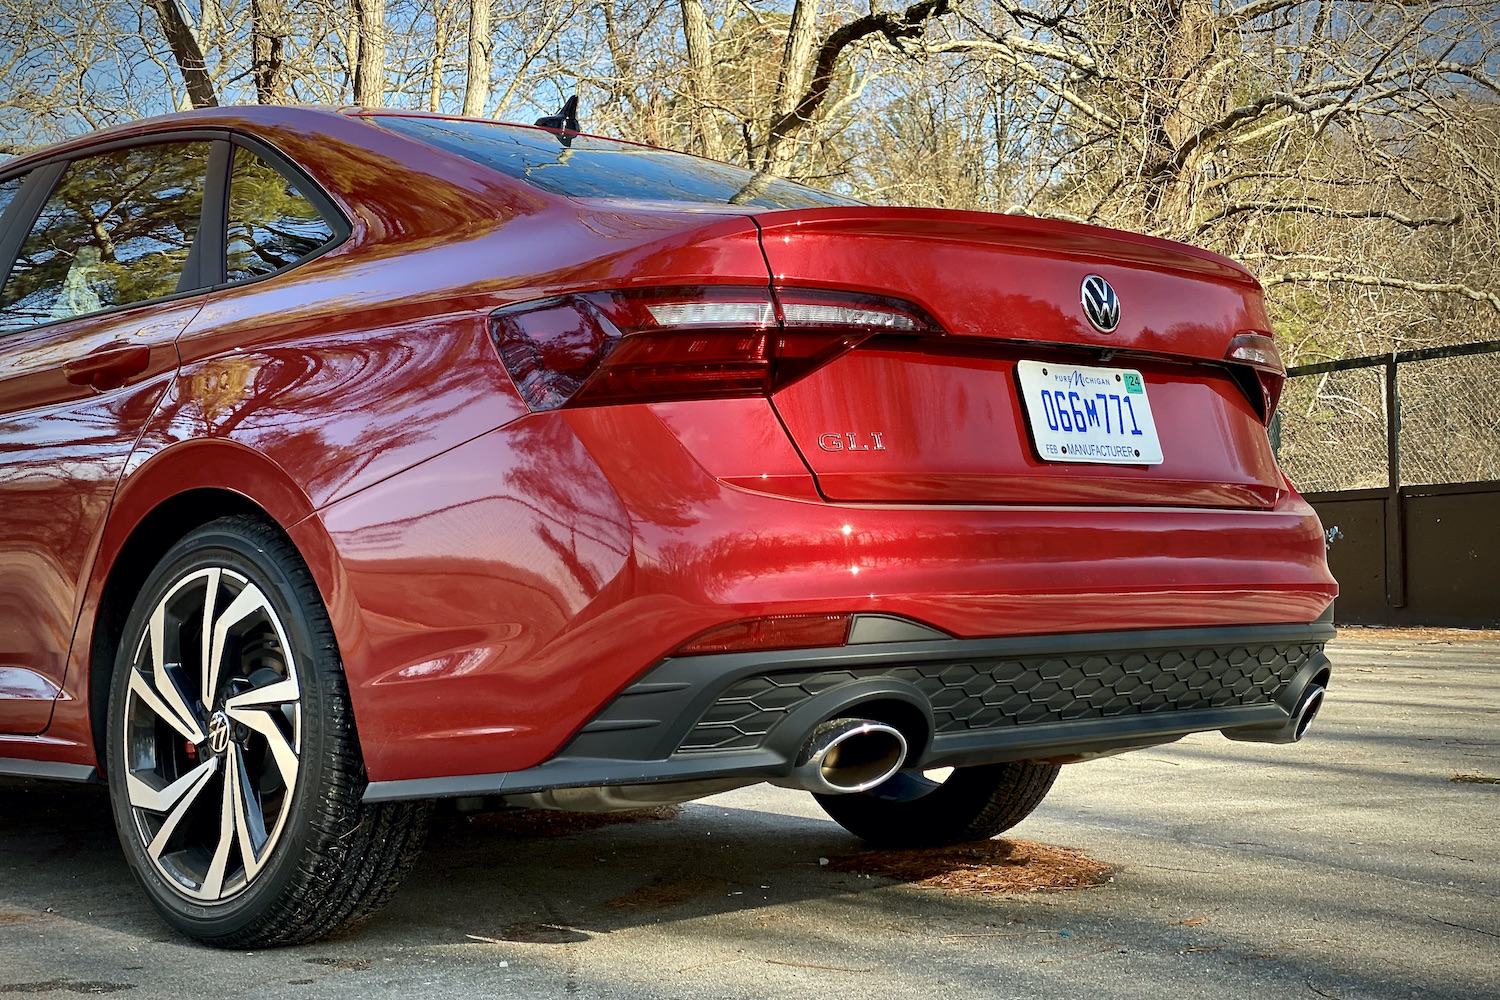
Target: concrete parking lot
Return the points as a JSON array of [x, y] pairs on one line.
[[1351, 865]]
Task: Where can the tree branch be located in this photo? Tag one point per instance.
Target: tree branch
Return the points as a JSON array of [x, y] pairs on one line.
[[1213, 130], [186, 52], [1329, 212], [1378, 281], [910, 23]]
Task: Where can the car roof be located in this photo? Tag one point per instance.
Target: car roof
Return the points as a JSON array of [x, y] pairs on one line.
[[254, 116]]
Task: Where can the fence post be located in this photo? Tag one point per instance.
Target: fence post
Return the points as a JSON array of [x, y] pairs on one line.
[[1395, 513]]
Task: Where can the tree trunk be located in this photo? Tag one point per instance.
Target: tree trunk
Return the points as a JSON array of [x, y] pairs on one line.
[[796, 62], [185, 50], [1176, 102], [477, 87], [369, 75], [268, 26], [701, 79], [439, 52], [210, 23]]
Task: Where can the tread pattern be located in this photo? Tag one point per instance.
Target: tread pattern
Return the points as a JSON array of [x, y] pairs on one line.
[[357, 853], [975, 803], [351, 856]]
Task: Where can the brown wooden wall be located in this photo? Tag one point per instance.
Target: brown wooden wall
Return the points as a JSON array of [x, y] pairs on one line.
[[1448, 563]]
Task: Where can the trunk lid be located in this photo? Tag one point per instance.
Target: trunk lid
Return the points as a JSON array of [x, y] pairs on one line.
[[942, 419]]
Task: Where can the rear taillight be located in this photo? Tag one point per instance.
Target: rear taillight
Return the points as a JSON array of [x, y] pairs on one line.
[[776, 632], [1256, 354], [705, 342]]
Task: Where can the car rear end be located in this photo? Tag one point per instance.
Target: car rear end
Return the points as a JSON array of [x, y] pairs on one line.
[[999, 484]]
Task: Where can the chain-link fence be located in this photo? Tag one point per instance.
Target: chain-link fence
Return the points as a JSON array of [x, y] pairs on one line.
[[1439, 407]]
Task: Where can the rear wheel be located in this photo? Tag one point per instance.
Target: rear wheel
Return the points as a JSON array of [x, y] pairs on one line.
[[234, 766], [932, 809]]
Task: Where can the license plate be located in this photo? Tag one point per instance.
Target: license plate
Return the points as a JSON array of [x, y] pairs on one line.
[[1081, 414]]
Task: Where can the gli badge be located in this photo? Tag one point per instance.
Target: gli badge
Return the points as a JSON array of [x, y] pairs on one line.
[[852, 441]]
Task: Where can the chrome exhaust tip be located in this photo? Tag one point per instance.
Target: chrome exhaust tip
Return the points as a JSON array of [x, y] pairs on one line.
[[1290, 731], [848, 755], [1307, 710]]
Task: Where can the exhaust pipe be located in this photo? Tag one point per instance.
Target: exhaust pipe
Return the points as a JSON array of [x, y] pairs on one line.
[[848, 755], [1290, 731]]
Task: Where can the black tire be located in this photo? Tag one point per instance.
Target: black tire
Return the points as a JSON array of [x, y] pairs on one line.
[[974, 803], [319, 859]]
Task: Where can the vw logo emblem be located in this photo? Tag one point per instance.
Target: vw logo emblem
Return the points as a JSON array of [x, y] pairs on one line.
[[1100, 304], [218, 732]]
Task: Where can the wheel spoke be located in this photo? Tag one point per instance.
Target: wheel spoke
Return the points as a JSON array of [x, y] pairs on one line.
[[213, 882], [166, 684], [249, 601], [184, 724], [206, 658], [144, 796], [201, 774], [249, 821], [278, 693], [282, 753]]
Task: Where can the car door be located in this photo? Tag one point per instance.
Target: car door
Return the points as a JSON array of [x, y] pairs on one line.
[[104, 273]]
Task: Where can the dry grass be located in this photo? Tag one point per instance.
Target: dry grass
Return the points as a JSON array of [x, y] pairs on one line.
[[1418, 634], [988, 867]]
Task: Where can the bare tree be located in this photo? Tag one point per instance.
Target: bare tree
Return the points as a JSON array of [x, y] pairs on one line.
[[369, 73], [269, 28], [477, 85], [185, 50], [1348, 149], [701, 78], [796, 62]]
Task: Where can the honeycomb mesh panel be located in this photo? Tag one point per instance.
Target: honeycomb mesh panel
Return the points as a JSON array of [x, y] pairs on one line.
[[996, 692]]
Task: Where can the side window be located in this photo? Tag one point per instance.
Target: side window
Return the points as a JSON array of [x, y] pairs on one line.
[[117, 230], [272, 225], [8, 191]]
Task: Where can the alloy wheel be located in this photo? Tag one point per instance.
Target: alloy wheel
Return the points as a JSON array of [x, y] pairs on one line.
[[212, 734]]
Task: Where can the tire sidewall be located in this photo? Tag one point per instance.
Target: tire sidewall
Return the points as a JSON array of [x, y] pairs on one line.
[[221, 544], [975, 803]]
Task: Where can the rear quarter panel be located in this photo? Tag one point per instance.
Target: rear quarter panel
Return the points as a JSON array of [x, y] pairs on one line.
[[310, 386]]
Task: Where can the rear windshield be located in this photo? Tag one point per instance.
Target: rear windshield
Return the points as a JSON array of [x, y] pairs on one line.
[[588, 167]]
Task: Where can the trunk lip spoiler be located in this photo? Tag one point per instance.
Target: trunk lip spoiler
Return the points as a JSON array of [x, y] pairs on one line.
[[1019, 232]]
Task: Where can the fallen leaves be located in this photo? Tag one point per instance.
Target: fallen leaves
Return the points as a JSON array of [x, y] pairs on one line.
[[986, 866], [356, 964], [1197, 921]]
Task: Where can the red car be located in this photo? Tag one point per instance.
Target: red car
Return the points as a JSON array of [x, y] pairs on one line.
[[352, 460]]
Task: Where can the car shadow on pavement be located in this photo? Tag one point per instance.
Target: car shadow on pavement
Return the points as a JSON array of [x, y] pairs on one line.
[[702, 894]]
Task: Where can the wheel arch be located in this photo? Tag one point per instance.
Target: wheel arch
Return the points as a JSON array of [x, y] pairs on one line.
[[160, 502]]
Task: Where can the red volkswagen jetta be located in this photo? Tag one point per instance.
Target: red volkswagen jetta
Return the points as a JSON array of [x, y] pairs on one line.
[[353, 460]]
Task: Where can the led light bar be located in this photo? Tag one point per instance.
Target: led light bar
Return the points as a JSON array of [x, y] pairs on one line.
[[822, 314], [753, 314], [698, 342], [1255, 349], [1258, 353]]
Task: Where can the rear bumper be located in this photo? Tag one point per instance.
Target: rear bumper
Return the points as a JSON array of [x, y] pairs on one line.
[[746, 715], [493, 601]]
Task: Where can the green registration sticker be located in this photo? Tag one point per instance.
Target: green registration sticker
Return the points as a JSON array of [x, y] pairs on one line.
[[1133, 383]]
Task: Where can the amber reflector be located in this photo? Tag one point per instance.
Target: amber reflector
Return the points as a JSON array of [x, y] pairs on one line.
[[780, 632]]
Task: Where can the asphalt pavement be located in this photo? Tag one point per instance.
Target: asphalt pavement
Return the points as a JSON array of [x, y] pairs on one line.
[[1350, 865]]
